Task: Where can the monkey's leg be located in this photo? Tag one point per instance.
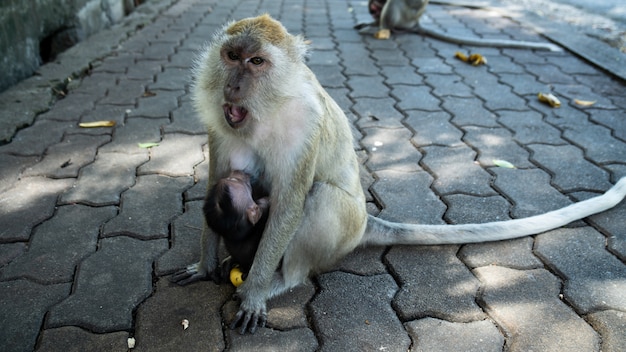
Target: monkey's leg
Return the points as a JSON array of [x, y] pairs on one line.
[[331, 227]]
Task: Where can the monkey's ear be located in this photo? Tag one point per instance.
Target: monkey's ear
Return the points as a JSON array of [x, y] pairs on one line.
[[254, 213]]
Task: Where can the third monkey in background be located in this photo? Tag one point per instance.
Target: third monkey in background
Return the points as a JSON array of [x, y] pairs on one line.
[[404, 15]]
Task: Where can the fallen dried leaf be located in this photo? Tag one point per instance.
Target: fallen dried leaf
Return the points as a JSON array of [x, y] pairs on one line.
[[584, 102], [503, 163], [185, 324], [103, 123], [549, 99], [474, 59], [459, 55], [147, 145], [148, 94]]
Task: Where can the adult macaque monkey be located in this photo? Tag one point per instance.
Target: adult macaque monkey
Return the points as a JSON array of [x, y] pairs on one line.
[[238, 215], [404, 15], [268, 116]]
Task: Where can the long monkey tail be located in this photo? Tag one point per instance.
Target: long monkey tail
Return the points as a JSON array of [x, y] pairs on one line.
[[384, 233]]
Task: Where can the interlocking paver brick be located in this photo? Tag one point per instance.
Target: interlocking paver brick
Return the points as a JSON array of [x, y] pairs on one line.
[[176, 155], [448, 85], [569, 167], [134, 131], [377, 112], [412, 97], [367, 86], [11, 168], [596, 280], [24, 312], [33, 141], [380, 331], [528, 127], [390, 148], [59, 244], [328, 76], [610, 324], [430, 334], [548, 73], [30, 201], [401, 75], [274, 340], [156, 104], [496, 144], [610, 118], [126, 92], [433, 282], [466, 111], [528, 201], [186, 231], [517, 299], [523, 84], [91, 188], [456, 171], [515, 254], [159, 318], [109, 286], [433, 128], [613, 151], [70, 338], [67, 157], [466, 209], [148, 207]]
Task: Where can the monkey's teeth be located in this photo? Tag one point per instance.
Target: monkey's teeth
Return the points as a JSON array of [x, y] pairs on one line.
[[234, 114]]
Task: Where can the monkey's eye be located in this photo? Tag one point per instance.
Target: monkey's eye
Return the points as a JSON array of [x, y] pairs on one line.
[[232, 56], [257, 60]]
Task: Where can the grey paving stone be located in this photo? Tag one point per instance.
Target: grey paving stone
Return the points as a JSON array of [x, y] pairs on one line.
[[370, 317], [496, 144], [176, 155], [466, 209], [66, 158], [433, 128], [73, 339], [96, 84], [144, 69], [548, 73], [529, 190], [610, 119], [201, 178], [10, 251], [383, 58], [528, 127], [273, 340], [109, 286], [433, 282], [456, 171], [34, 140], [367, 87], [572, 91], [430, 334], [517, 300], [12, 166], [366, 261], [106, 113], [390, 149], [415, 98], [148, 207], [422, 205], [502, 64], [134, 131], [103, 181], [427, 64], [156, 103], [611, 150], [22, 315], [377, 112], [186, 230], [70, 108], [515, 254], [448, 85], [498, 96], [610, 324], [158, 321], [612, 222], [126, 92], [570, 169], [329, 76], [30, 201], [401, 75], [171, 79], [523, 84], [59, 244], [471, 112], [596, 280]]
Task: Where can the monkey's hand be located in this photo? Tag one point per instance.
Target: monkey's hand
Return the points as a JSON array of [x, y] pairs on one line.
[[250, 317], [192, 273]]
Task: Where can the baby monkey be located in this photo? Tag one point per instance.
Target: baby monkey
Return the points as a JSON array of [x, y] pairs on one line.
[[237, 212]]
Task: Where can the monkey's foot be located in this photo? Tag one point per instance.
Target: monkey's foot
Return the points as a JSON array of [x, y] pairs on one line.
[[382, 34], [188, 275], [250, 319]]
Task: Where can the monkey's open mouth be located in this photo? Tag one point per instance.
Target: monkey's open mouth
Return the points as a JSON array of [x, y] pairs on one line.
[[235, 115]]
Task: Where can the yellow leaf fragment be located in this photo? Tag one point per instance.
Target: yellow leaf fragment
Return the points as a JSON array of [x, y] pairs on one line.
[[147, 145], [474, 59], [382, 34], [549, 99], [504, 164], [584, 102], [103, 123]]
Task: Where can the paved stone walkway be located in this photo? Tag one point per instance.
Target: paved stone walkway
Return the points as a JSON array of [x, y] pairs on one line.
[[91, 224]]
